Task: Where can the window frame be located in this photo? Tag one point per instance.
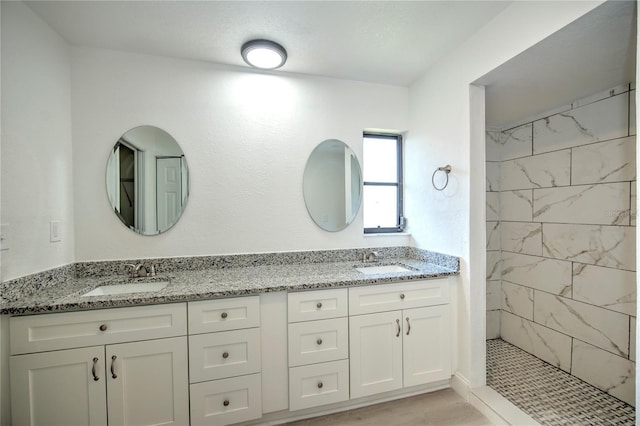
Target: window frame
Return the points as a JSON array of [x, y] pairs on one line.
[[400, 220]]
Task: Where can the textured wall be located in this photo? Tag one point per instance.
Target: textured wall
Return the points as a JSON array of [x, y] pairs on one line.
[[561, 280]]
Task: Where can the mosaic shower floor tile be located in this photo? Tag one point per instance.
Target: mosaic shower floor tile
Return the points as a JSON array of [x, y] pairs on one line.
[[548, 394]]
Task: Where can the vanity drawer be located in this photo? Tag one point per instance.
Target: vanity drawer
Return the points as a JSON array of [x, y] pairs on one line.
[[318, 384], [224, 354], [224, 314], [390, 297], [47, 332], [318, 304], [318, 341], [226, 401]]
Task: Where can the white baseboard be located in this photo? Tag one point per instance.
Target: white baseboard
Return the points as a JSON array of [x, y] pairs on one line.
[[461, 385]]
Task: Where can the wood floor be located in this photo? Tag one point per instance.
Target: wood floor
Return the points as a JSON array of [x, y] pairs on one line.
[[441, 408]]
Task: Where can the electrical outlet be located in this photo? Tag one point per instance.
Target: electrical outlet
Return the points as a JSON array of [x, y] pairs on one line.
[[55, 231], [5, 237]]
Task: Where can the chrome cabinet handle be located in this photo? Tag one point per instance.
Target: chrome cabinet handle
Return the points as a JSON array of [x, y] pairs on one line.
[[402, 296], [226, 403], [93, 370], [103, 327], [224, 315], [408, 326], [113, 367], [225, 355], [319, 305], [319, 341], [320, 385], [399, 328]]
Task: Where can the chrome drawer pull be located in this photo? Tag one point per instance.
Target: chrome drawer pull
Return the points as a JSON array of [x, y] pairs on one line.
[[225, 355], [319, 305], [399, 328], [113, 367], [320, 385], [402, 296], [319, 341], [103, 327], [408, 326], [226, 403], [224, 315], [93, 370]]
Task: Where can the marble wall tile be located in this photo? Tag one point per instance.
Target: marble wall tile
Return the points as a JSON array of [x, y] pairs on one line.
[[600, 204], [516, 205], [614, 374], [493, 145], [494, 265], [494, 295], [603, 328], [538, 171], [599, 121], [632, 338], [611, 246], [546, 344], [609, 288], [493, 206], [632, 113], [493, 324], [611, 161], [493, 235], [550, 275], [633, 211], [521, 237], [517, 142], [493, 176], [518, 300]]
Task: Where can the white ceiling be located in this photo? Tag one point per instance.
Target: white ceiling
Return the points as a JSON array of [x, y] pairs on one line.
[[388, 42]]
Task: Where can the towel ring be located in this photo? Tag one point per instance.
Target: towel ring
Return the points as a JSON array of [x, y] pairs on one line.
[[446, 169]]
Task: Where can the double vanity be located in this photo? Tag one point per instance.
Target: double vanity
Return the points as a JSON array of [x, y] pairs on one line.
[[225, 340]]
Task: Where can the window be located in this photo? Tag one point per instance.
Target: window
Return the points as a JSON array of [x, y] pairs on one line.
[[382, 173]]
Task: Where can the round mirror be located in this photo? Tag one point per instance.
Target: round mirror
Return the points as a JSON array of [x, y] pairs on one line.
[[147, 180], [332, 185]]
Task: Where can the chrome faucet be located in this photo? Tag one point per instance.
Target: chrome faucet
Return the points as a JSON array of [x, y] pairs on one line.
[[370, 256], [140, 270]]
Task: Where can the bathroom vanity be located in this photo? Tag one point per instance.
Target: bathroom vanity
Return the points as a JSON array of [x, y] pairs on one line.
[[268, 351]]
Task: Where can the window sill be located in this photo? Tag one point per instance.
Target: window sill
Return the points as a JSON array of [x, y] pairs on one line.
[[389, 234]]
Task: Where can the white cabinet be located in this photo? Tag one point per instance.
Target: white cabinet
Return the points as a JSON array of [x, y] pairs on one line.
[[225, 361], [394, 349], [132, 383]]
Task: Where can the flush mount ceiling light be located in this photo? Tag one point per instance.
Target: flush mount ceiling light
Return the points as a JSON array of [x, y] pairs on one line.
[[264, 54]]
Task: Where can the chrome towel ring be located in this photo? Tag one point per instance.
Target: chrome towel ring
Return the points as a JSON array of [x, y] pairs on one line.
[[446, 169]]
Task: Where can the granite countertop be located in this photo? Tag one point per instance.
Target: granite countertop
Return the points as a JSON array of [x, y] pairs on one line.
[[191, 285]]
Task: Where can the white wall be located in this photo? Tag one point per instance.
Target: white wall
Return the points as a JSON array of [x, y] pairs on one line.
[[36, 164], [447, 127], [246, 137]]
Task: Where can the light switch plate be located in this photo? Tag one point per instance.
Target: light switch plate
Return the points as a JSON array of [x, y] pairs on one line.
[[5, 237], [55, 231]]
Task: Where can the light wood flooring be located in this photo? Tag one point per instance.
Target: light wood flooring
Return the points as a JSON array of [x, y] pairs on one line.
[[441, 408]]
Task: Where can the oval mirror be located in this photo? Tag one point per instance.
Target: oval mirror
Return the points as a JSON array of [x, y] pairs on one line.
[[147, 180], [332, 185]]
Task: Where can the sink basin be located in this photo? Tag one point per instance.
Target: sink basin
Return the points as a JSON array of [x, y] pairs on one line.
[[106, 290], [383, 269]]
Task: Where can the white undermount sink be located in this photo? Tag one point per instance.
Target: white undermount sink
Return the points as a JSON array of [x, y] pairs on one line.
[[106, 290], [383, 269]]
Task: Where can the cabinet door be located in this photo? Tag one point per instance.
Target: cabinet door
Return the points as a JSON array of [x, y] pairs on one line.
[[375, 353], [147, 382], [427, 345], [59, 388]]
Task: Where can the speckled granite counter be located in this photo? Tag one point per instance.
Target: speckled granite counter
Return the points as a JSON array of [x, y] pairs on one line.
[[234, 278]]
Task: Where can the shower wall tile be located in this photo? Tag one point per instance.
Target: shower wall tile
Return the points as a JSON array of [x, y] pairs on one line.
[[599, 121], [609, 288], [632, 113], [546, 344], [494, 295], [611, 246], [493, 206], [493, 235], [521, 237], [632, 338], [538, 171], [494, 265], [518, 300], [611, 161], [493, 143], [604, 370], [493, 324], [550, 275], [603, 328], [602, 204], [493, 176], [517, 142], [516, 205], [633, 211]]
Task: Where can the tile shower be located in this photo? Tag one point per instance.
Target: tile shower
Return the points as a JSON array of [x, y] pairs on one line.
[[561, 195]]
